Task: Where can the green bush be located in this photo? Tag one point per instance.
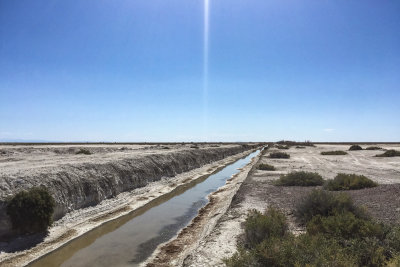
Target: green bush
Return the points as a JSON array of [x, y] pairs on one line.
[[83, 151], [368, 251], [392, 239], [242, 258], [394, 262], [390, 153], [260, 226], [31, 211], [266, 167], [333, 153], [279, 155], [300, 147], [373, 148], [300, 179], [336, 236], [294, 143], [344, 225], [282, 146], [304, 250], [285, 249], [321, 202], [344, 181], [355, 147]]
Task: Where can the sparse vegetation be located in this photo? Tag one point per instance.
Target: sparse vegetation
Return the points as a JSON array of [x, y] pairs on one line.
[[300, 179], [293, 143], [334, 153], [344, 181], [31, 211], [194, 146], [390, 153], [373, 148], [324, 203], [282, 146], [279, 155], [83, 151], [300, 147], [338, 234], [260, 226], [266, 167], [355, 147]]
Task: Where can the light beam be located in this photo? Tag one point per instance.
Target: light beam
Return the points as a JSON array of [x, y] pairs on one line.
[[205, 67]]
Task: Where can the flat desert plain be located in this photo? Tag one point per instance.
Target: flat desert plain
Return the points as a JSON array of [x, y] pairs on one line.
[[258, 192]]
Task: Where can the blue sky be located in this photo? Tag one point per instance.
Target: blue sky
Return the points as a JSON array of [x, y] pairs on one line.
[[132, 70]]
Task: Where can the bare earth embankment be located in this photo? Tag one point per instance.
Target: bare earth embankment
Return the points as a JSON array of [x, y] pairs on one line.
[[91, 189], [258, 192]]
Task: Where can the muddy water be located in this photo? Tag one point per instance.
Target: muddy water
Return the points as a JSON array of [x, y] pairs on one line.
[[131, 239]]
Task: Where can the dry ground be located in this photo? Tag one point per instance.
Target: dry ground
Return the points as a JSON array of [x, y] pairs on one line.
[[258, 192]]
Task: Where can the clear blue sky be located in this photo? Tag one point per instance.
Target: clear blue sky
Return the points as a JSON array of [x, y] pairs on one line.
[[132, 70]]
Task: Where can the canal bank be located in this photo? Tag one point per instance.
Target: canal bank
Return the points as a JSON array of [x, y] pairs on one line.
[[131, 239], [79, 222], [174, 252]]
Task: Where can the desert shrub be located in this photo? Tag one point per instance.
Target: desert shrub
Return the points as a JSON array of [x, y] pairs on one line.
[[260, 226], [300, 179], [373, 148], [294, 143], [338, 234], [83, 151], [394, 262], [282, 146], [344, 181], [306, 143], [288, 250], [304, 250], [392, 239], [194, 146], [368, 251], [31, 211], [242, 258], [333, 153], [320, 202], [390, 153], [279, 155], [266, 167], [355, 147], [344, 225], [300, 147]]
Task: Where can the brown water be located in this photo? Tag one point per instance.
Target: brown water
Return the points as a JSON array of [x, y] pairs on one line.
[[132, 238]]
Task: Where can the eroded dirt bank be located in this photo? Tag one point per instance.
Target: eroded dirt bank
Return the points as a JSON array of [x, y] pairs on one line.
[[258, 192], [78, 180], [79, 221]]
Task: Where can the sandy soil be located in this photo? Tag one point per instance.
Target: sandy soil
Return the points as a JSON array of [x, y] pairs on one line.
[[257, 192], [81, 221]]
